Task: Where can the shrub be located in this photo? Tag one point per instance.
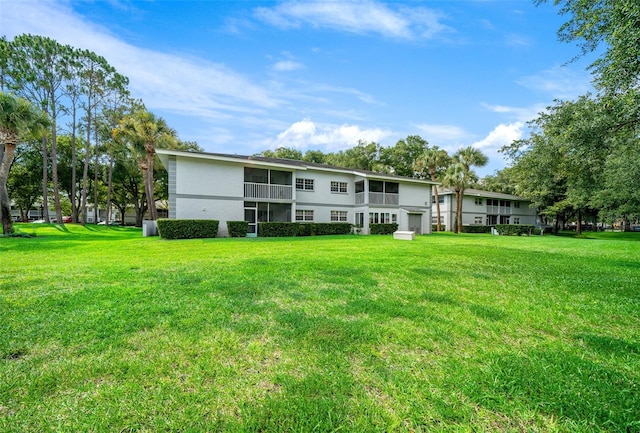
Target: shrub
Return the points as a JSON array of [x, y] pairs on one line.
[[434, 228], [302, 229], [514, 229], [321, 229], [276, 230], [187, 229], [382, 229], [238, 229], [305, 229], [476, 229]]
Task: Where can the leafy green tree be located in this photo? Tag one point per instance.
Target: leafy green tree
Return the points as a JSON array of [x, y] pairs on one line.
[[614, 26], [24, 179], [564, 160], [128, 189], [98, 80], [18, 118], [143, 131], [460, 176], [364, 156], [36, 68], [282, 152], [503, 181], [401, 157], [433, 163], [315, 156]]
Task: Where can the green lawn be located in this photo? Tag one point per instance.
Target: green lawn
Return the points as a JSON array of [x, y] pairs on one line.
[[104, 330]]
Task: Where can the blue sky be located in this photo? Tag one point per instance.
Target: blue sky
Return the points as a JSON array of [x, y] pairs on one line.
[[244, 76]]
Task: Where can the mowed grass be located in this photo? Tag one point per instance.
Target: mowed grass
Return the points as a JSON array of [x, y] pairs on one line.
[[104, 330]]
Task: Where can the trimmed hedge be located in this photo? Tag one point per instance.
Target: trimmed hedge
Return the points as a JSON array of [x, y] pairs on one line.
[[323, 229], [187, 229], [476, 229], [277, 230], [383, 229], [238, 229], [271, 230], [434, 228], [515, 229]]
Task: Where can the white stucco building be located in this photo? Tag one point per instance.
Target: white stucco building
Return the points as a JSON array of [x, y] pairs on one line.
[[483, 208], [256, 189]]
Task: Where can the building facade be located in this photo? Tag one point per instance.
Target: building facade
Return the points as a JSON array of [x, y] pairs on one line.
[[483, 208], [256, 189]]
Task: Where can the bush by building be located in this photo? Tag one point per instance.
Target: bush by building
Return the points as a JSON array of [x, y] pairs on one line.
[[187, 229]]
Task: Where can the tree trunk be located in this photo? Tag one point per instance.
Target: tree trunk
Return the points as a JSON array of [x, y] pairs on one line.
[[5, 203], [95, 186], [54, 164], [109, 187], [437, 198], [151, 204], [85, 183], [459, 197], [579, 223], [455, 220], [74, 162], [45, 181]]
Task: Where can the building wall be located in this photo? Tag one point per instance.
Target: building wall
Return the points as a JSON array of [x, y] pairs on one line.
[[214, 189], [415, 195], [322, 193], [475, 213], [207, 191], [199, 177]]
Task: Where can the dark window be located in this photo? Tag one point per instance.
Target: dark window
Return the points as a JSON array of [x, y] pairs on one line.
[[376, 186], [256, 175], [280, 177], [391, 187]]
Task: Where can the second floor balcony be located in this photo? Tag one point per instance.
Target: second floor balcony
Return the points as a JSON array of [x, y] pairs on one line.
[[267, 191], [378, 198]]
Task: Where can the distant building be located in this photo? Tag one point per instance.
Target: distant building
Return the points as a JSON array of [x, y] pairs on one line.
[[483, 208]]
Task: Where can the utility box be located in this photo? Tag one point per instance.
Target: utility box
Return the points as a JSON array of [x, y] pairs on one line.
[[149, 228], [404, 235]]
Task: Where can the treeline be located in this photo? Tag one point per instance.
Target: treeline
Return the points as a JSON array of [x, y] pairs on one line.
[[93, 150], [582, 161], [411, 157]]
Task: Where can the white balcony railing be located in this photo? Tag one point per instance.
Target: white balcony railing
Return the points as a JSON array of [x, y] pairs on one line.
[[382, 198], [359, 198], [266, 191], [499, 210]]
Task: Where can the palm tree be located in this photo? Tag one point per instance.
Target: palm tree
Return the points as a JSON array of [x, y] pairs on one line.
[[460, 175], [433, 161], [17, 118], [144, 132]]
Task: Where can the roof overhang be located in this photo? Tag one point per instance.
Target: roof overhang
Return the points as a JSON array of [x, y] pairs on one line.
[[164, 155]]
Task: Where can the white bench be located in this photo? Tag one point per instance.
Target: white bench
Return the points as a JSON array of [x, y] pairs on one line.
[[404, 235]]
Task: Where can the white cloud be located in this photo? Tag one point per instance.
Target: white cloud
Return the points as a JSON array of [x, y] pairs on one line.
[[163, 81], [306, 133], [287, 65], [443, 135], [515, 40], [500, 136], [559, 82], [355, 17], [520, 114]]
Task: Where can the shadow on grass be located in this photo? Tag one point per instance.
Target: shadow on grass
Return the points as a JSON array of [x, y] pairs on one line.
[[568, 387], [610, 236], [609, 345]]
